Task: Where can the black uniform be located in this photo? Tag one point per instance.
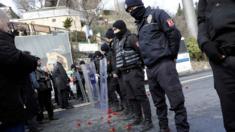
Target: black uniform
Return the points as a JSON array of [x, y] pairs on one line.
[[216, 37], [159, 44], [44, 94], [129, 63], [113, 85]]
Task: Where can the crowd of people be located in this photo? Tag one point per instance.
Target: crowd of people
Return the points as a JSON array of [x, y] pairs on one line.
[[155, 48]]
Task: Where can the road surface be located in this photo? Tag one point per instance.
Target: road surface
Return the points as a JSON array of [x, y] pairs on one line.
[[202, 104]]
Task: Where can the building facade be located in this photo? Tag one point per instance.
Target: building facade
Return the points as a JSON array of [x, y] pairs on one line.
[[54, 17]]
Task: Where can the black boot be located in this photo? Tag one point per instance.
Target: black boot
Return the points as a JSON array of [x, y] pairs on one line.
[[147, 125], [130, 116], [165, 130], [137, 121], [119, 108]]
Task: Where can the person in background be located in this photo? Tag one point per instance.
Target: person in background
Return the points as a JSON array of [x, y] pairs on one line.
[[44, 92], [62, 84], [79, 68], [76, 77]]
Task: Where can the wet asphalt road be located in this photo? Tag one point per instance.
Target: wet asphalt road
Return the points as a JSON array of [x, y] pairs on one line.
[[202, 104]]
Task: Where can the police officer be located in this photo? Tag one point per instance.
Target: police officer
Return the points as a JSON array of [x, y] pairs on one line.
[[216, 37], [96, 59], [117, 82], [113, 86], [129, 63], [159, 44]]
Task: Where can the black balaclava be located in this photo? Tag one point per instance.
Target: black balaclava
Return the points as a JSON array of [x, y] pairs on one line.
[[105, 48], [138, 13], [120, 24], [109, 34], [98, 55]]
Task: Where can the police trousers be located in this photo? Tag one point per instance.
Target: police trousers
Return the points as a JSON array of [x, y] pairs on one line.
[[113, 90], [164, 81], [136, 94], [224, 80]]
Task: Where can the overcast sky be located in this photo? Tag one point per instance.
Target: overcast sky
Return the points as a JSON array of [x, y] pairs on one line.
[[8, 3], [170, 5]]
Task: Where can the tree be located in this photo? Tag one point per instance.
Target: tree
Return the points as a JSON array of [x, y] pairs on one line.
[[68, 23], [91, 9], [179, 11], [193, 49], [41, 3], [27, 5]]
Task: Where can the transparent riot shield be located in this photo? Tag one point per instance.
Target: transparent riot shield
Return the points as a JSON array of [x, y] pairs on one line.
[[98, 117], [103, 85], [84, 93], [89, 72]]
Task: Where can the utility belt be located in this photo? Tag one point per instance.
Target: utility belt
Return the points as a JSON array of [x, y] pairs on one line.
[[228, 51], [159, 61], [130, 68]]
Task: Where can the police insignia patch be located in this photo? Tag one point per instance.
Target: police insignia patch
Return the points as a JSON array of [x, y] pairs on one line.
[[170, 23], [149, 19]]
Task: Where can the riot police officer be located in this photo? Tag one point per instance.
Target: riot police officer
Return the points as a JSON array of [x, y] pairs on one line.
[[216, 37], [113, 86], [159, 45], [129, 63], [116, 81]]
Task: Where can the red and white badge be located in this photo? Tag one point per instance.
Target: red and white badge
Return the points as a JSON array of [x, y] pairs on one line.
[[170, 22]]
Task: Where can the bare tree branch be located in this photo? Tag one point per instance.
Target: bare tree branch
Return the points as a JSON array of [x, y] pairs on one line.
[[25, 5]]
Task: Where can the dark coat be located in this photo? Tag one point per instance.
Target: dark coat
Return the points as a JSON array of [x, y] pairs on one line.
[[158, 36], [43, 80], [14, 69], [60, 77], [216, 23]]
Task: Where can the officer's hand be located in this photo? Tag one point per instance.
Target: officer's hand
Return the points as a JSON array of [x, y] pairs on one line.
[[213, 53]]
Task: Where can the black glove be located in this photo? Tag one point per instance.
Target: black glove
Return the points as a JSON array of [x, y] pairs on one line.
[[212, 52]]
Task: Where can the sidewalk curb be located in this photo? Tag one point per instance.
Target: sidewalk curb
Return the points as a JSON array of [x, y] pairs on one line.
[[194, 72], [75, 106]]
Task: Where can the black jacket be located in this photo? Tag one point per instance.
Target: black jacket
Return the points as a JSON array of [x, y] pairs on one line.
[[109, 57], [60, 77], [43, 80], [216, 22], [14, 69], [158, 36]]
